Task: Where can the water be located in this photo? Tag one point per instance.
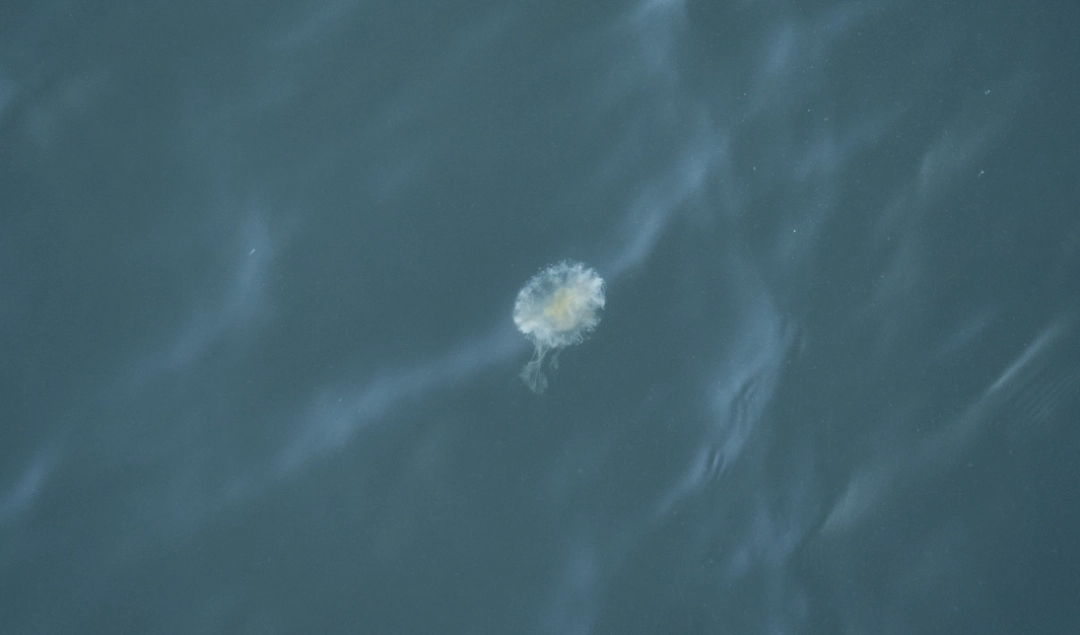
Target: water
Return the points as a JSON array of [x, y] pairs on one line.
[[260, 372]]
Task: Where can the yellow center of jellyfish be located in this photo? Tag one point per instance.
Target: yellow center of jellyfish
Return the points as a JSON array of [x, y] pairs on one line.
[[561, 311]]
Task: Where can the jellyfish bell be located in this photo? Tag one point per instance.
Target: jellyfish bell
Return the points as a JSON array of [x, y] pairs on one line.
[[557, 307]]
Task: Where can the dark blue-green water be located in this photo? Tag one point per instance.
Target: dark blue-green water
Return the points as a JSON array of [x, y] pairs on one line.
[[259, 373]]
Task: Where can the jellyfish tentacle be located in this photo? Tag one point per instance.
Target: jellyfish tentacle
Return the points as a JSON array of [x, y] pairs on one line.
[[533, 374]]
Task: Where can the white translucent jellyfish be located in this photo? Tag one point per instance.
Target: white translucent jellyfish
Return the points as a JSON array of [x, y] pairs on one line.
[[558, 307]]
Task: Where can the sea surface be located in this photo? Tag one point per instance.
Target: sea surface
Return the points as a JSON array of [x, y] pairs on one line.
[[259, 372]]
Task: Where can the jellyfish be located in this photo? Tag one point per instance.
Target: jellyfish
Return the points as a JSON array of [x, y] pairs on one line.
[[558, 307]]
